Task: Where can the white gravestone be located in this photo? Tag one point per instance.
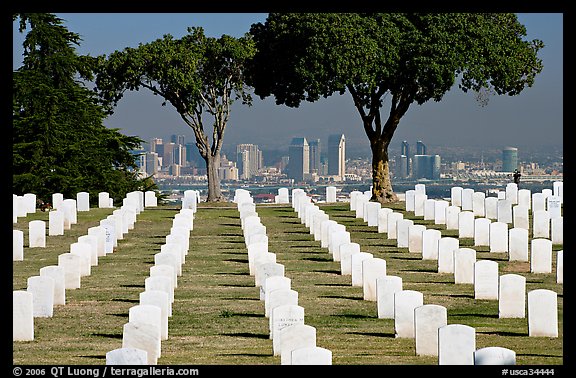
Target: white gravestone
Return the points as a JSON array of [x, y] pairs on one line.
[[274, 283], [554, 206], [37, 234], [30, 200], [427, 319], [17, 245], [170, 254], [512, 192], [415, 236], [162, 283], [372, 209], [372, 269], [324, 232], [557, 230], [84, 251], [383, 219], [542, 313], [410, 200], [498, 237], [464, 259], [405, 301], [70, 211], [456, 344], [330, 194], [521, 217], [311, 356], [42, 289], [319, 220], [166, 270], [265, 271], [56, 223], [160, 299], [83, 201], [262, 258], [255, 249], [440, 207], [486, 280], [430, 240], [467, 199], [541, 256], [393, 219], [150, 199], [337, 239], [512, 296], [525, 198], [92, 240], [110, 231], [402, 232], [456, 196], [518, 244], [494, 356], [149, 314], [71, 264], [452, 215], [22, 316], [466, 224], [538, 202], [478, 204], [446, 248], [482, 232], [279, 297], [356, 270], [491, 207], [57, 200], [100, 233], [127, 356], [419, 201], [353, 198], [57, 274], [284, 316], [346, 252], [385, 288], [103, 200], [540, 224], [294, 337], [143, 336], [504, 211], [429, 208]]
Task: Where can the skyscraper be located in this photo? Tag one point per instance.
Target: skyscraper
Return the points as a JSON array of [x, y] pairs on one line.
[[337, 155], [420, 148], [509, 159], [314, 151], [299, 163], [404, 170], [426, 166], [248, 160]]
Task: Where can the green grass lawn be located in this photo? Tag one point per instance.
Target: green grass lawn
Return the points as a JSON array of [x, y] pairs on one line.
[[218, 318]]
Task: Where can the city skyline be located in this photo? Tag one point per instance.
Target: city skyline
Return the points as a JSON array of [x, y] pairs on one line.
[[535, 117]]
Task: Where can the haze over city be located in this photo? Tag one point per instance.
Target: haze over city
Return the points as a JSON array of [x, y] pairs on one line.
[[533, 118]]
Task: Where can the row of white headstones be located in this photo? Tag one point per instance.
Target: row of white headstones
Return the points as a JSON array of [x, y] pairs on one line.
[[292, 339], [424, 322], [148, 321]]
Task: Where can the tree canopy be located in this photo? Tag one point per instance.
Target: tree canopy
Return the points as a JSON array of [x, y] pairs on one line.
[[198, 75], [390, 60], [60, 144]]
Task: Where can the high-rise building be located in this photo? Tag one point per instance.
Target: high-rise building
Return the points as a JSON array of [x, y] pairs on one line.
[[404, 171], [178, 139], [151, 163], [337, 155], [314, 152], [402, 167], [299, 163], [248, 160], [420, 148], [509, 159], [426, 166]]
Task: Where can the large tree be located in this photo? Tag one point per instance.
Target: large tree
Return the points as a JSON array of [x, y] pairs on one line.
[[389, 60], [60, 144], [198, 75]]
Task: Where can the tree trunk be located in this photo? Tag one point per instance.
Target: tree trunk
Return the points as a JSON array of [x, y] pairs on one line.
[[214, 192], [381, 184]]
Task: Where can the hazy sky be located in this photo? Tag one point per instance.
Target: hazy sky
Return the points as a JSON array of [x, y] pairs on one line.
[[534, 118]]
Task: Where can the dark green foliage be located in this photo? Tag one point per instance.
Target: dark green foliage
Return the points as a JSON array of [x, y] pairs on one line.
[[60, 144]]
